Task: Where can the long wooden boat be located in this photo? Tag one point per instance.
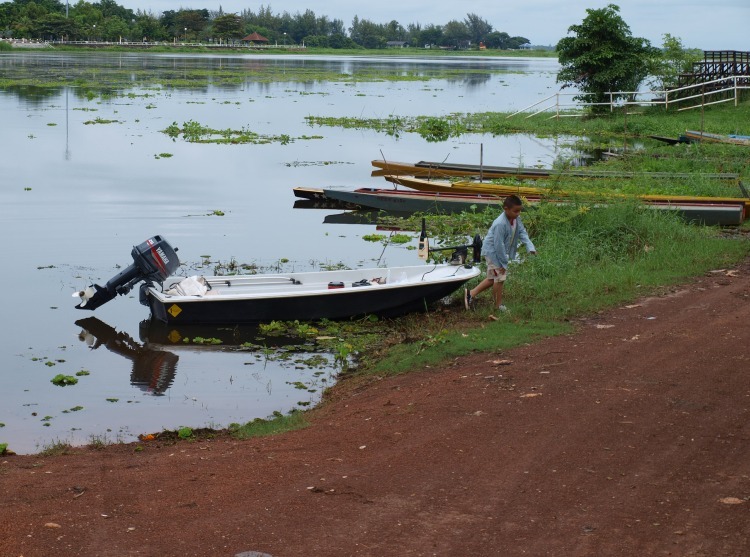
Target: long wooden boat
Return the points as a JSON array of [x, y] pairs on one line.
[[464, 186], [304, 296], [698, 136], [426, 169], [405, 201], [712, 214], [503, 190], [310, 296]]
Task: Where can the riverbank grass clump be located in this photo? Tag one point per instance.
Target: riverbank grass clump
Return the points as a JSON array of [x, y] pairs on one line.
[[276, 423]]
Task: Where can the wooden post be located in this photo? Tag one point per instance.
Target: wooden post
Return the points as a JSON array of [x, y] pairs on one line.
[[481, 162]]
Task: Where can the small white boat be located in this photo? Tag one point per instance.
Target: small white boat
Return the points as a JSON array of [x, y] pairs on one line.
[[306, 296]]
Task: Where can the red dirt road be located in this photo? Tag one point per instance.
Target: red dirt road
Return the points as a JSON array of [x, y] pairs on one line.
[[629, 437]]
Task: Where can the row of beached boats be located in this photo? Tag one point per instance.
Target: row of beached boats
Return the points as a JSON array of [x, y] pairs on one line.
[[423, 187]]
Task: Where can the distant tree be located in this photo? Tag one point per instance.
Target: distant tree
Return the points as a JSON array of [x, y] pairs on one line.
[[303, 25], [8, 15], [319, 41], [603, 56], [515, 43], [367, 34], [455, 33], [110, 8], [52, 6], [194, 20], [672, 60], [228, 26], [497, 39], [340, 40], [149, 27], [56, 26], [478, 28], [395, 32], [112, 29], [432, 35]]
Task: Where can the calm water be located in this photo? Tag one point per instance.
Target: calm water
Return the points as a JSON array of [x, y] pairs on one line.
[[76, 197]]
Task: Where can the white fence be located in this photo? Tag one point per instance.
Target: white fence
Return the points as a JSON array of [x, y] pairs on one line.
[[560, 102]]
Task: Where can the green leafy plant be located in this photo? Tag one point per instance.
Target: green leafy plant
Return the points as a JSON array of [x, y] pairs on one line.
[[63, 380]]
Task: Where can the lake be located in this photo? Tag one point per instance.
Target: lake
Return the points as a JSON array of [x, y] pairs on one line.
[[87, 173]]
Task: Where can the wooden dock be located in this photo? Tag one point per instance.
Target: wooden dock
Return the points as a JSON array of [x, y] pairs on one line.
[[718, 64]]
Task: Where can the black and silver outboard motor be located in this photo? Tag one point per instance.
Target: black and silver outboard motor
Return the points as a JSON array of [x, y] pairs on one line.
[[153, 261]]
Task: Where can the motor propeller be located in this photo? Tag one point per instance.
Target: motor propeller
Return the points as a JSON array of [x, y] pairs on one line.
[[153, 261]]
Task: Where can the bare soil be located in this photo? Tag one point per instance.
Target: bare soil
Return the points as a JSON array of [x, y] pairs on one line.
[[629, 437]]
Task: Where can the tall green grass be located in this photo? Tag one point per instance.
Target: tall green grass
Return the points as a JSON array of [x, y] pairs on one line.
[[603, 256], [589, 259]]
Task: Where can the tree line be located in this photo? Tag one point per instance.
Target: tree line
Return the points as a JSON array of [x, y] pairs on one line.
[[108, 21]]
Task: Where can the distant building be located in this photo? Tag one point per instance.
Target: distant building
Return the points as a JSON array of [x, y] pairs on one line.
[[255, 38], [396, 44]]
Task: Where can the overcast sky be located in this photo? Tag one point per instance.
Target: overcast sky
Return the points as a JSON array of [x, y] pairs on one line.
[[704, 24]]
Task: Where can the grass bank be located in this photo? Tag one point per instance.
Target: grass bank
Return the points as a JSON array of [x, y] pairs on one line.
[[590, 257], [721, 119], [588, 260]]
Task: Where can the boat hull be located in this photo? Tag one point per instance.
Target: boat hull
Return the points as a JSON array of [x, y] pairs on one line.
[[707, 203], [313, 300], [712, 214], [400, 201], [432, 170], [705, 137]]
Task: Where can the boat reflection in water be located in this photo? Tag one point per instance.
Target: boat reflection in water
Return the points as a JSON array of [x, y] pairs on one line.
[[154, 368], [155, 361]]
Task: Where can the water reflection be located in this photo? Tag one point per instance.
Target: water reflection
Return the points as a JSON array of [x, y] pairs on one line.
[[108, 73], [154, 361], [154, 368]]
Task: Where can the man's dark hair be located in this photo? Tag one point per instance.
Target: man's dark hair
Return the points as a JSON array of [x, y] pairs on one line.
[[512, 201]]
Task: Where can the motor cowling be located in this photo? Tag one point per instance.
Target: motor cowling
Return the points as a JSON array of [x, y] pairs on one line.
[[153, 261]]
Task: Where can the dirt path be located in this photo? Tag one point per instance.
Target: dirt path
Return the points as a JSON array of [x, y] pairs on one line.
[[630, 437]]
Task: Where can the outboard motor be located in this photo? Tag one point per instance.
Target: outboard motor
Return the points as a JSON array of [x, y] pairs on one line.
[[153, 261]]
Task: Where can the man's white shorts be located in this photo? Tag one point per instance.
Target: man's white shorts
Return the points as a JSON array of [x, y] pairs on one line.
[[496, 274]]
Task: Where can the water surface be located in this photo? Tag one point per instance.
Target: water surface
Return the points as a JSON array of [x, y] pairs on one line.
[[76, 196]]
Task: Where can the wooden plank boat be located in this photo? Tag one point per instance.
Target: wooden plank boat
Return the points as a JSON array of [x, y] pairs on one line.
[[404, 201], [712, 214], [525, 191], [464, 186], [266, 297], [426, 169], [724, 211], [310, 296], [697, 136]]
